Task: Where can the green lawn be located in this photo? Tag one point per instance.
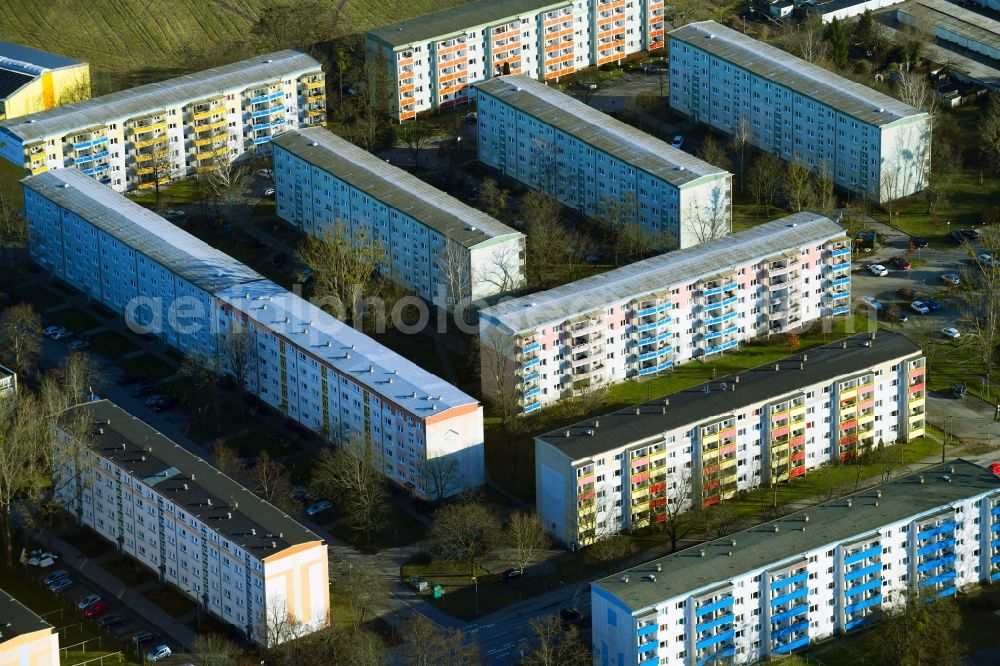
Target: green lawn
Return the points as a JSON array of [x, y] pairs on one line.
[[74, 658], [459, 597], [74, 319], [128, 570], [398, 528], [111, 344], [170, 600], [148, 367]]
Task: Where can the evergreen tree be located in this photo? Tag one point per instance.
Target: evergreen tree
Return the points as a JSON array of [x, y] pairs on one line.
[[864, 29], [838, 40]]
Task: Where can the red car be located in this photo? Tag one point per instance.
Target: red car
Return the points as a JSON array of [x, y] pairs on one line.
[[995, 468], [95, 610], [900, 263]]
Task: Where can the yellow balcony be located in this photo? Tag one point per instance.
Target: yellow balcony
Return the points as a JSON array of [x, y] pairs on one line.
[[916, 417], [200, 127], [38, 169], [795, 412], [917, 402], [710, 439], [315, 98], [219, 138], [314, 84], [149, 128], [204, 168], [863, 420], [142, 171], [211, 153], [640, 492], [916, 432], [201, 115], [150, 142], [151, 156], [315, 112], [586, 511]]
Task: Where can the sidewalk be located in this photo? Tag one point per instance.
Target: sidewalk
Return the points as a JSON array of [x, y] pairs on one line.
[[158, 619]]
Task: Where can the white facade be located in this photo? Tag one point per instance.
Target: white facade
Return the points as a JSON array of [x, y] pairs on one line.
[[312, 367], [784, 585], [585, 159], [845, 9], [434, 244], [865, 141], [655, 314], [951, 23], [243, 560], [137, 138], [8, 382], [768, 426], [430, 61]]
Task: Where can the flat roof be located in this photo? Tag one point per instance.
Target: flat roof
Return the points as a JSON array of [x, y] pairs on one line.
[[393, 186], [141, 229], [349, 351], [16, 619], [456, 19], [11, 81], [724, 396], [37, 60], [833, 90], [190, 482], [158, 96], [598, 129], [656, 273], [832, 522], [963, 22]]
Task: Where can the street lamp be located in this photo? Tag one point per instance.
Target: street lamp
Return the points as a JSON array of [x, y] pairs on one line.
[[475, 581]]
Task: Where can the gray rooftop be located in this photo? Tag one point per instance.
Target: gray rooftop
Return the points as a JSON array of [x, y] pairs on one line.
[[833, 90], [705, 401], [447, 22], [14, 55], [394, 187], [141, 229], [158, 96], [961, 21], [678, 267], [829, 523], [351, 352], [16, 619], [190, 482], [598, 129]]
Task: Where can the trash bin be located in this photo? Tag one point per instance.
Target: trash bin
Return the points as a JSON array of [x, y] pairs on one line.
[[438, 591]]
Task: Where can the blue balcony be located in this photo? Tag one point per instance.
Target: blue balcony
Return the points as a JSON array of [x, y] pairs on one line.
[[863, 587], [531, 392], [647, 647], [722, 654], [656, 324], [856, 623], [946, 592], [934, 564], [794, 645], [655, 369], [530, 348], [995, 543], [532, 407], [842, 267], [994, 577], [721, 603], [948, 575], [534, 361], [260, 140], [791, 596], [719, 290], [788, 614], [841, 310], [936, 546], [719, 320], [837, 297], [532, 377], [995, 511], [658, 338], [648, 355], [995, 527], [647, 630], [90, 158], [266, 98], [715, 306], [88, 144], [652, 661], [934, 531], [725, 619], [95, 170], [840, 281], [995, 559], [841, 252], [712, 640], [861, 573], [781, 633], [653, 310], [861, 605], [874, 551], [718, 334]]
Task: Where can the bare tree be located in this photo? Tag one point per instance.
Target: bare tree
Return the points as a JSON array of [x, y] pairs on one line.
[[350, 474], [740, 140], [416, 136], [343, 264], [989, 130], [20, 338], [493, 199], [13, 225], [528, 538], [466, 532], [826, 200], [77, 91], [496, 352], [607, 550], [619, 221], [558, 644], [913, 88], [227, 184], [764, 180], [206, 374], [720, 518], [227, 460], [442, 474], [454, 267], [238, 355], [368, 590], [550, 244], [678, 516], [215, 650], [271, 482], [81, 377], [427, 644], [809, 41], [798, 185], [501, 271], [280, 626], [979, 303], [715, 155]]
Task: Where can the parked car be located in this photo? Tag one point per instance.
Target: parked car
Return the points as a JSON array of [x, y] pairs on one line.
[[96, 610], [970, 234], [79, 345], [878, 270], [39, 558], [932, 303], [49, 331], [678, 141], [920, 242], [903, 316], [141, 390], [511, 574], [318, 507], [900, 263], [61, 584], [87, 600], [471, 118], [109, 621], [279, 260], [951, 332], [984, 258], [159, 653], [956, 236], [265, 173], [919, 307], [142, 636], [173, 214], [873, 302], [569, 614], [952, 279], [589, 85], [167, 402], [959, 390], [153, 399], [56, 575], [62, 334], [302, 494], [269, 192]]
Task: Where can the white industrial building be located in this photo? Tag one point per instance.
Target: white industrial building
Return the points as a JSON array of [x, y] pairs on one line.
[[957, 25], [429, 62], [243, 560], [146, 136], [616, 472], [655, 314], [866, 142], [434, 245], [313, 368], [587, 160], [784, 585]]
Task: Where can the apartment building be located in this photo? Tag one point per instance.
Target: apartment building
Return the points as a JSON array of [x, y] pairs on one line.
[[430, 61], [702, 445], [655, 314], [434, 245], [8, 382], [32, 80], [141, 137], [867, 142], [587, 160], [423, 433], [243, 560], [25, 638], [786, 584]]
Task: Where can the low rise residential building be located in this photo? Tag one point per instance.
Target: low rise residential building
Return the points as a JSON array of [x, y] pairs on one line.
[[32, 80], [655, 314], [8, 382], [845, 9], [25, 638], [424, 434], [786, 584], [430, 61], [949, 22], [143, 137], [863, 140], [240, 558], [591, 162], [702, 445], [434, 245]]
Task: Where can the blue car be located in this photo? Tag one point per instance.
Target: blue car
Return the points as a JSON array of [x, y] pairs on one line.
[[932, 303]]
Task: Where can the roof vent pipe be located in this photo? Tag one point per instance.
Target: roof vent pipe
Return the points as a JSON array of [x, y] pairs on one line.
[[951, 469], [229, 515], [805, 357], [209, 501], [637, 411], [625, 578], [850, 502], [777, 366], [597, 423], [567, 434], [805, 518], [185, 486], [701, 552], [878, 493], [776, 528], [659, 567], [652, 578], [921, 478], [843, 344]]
